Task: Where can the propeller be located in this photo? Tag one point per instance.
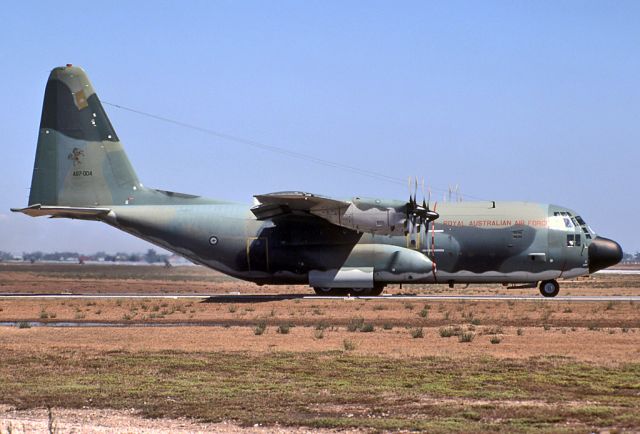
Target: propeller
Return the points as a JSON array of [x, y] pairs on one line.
[[417, 214]]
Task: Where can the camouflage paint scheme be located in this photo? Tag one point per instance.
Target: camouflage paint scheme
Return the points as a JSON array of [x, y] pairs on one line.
[[81, 171]]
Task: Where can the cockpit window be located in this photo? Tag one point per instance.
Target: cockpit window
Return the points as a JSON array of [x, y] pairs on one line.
[[580, 221], [567, 222]]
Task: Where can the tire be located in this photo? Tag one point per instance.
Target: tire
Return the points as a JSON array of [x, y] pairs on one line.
[[549, 288], [336, 292]]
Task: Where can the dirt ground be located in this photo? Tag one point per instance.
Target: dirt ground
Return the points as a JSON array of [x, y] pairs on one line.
[[605, 347], [580, 336], [79, 421]]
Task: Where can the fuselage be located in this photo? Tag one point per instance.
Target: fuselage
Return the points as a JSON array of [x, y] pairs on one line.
[[470, 242]]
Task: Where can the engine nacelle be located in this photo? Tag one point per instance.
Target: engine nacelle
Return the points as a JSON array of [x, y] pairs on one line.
[[367, 215], [369, 264]]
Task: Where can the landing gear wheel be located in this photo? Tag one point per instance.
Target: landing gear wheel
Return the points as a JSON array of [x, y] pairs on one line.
[[549, 288], [330, 291]]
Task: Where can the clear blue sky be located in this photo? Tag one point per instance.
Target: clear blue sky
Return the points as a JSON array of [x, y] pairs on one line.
[[536, 101]]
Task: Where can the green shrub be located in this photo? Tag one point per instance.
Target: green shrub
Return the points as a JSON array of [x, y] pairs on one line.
[[260, 328], [466, 337], [283, 329], [367, 328], [417, 333], [355, 324]]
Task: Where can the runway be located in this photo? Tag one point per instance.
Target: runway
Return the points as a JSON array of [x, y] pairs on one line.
[[261, 298]]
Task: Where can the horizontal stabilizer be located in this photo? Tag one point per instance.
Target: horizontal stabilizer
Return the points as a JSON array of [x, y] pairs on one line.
[[82, 213]]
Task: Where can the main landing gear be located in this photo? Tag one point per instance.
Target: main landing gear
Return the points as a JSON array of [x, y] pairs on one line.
[[549, 288], [356, 292]]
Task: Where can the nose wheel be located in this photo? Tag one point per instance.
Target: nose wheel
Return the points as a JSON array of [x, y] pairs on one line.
[[549, 288]]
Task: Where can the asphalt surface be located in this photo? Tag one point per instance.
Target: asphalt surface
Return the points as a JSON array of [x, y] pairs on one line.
[[257, 298]]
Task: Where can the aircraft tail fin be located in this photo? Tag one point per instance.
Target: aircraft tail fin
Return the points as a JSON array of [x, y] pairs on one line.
[[79, 159]]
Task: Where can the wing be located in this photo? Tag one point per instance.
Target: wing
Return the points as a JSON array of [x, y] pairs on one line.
[[360, 214], [296, 202]]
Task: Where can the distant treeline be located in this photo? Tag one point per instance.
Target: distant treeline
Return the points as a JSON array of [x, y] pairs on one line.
[[151, 256]]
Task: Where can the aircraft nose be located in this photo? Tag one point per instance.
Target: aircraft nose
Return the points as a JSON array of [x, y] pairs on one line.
[[603, 253]]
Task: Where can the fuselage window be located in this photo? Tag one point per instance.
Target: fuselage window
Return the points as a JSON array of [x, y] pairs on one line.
[[578, 239], [570, 240]]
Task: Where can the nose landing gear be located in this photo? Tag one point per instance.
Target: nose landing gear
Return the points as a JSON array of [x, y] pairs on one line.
[[549, 288]]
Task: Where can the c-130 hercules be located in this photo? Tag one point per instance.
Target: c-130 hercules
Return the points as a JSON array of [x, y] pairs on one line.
[[354, 246]]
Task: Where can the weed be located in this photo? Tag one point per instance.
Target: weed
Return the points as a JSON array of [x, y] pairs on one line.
[[44, 315], [408, 306], [348, 345], [355, 324], [520, 332], [387, 326], [475, 321], [127, 317], [98, 312], [625, 330], [260, 328], [446, 332], [495, 330], [546, 327], [367, 328], [79, 315], [610, 305], [233, 308], [23, 325], [155, 308], [466, 337], [321, 326], [379, 307], [495, 339], [417, 333], [318, 334], [118, 302], [424, 313], [446, 315], [317, 311], [283, 329]]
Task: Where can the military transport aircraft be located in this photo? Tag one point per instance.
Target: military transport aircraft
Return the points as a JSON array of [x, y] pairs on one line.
[[337, 246]]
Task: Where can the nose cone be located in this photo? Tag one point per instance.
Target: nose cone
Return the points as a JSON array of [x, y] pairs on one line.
[[603, 253]]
